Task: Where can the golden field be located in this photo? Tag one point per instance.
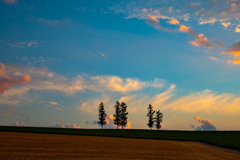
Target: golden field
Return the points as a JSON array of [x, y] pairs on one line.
[[32, 146]]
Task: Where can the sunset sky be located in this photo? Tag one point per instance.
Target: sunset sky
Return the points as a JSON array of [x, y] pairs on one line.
[[60, 59]]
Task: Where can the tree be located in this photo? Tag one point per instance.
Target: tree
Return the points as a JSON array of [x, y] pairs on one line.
[[158, 119], [150, 115], [124, 114], [102, 115], [117, 115]]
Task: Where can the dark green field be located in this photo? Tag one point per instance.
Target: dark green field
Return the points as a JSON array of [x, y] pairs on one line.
[[228, 139]]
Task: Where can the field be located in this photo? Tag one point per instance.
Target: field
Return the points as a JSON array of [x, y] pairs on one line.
[[24, 146], [227, 139]]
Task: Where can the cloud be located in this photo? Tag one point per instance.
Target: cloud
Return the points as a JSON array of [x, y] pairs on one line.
[[175, 117], [206, 125], [152, 20], [226, 24], [201, 40], [219, 44], [16, 124], [205, 12], [236, 61], [194, 4], [162, 127], [191, 125], [207, 102], [137, 103], [234, 49], [186, 29], [60, 125], [43, 80], [103, 55], [2, 69], [53, 103], [11, 1], [237, 28], [173, 21], [49, 22], [25, 45], [8, 80], [144, 10], [91, 122], [214, 58], [90, 106], [208, 20], [81, 9]]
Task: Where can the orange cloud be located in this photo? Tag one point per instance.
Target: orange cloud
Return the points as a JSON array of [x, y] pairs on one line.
[[234, 49], [175, 117], [16, 124], [236, 61], [201, 40], [186, 29], [174, 21], [226, 24], [237, 28], [213, 58]]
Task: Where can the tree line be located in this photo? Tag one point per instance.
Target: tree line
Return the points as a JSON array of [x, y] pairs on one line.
[[120, 116]]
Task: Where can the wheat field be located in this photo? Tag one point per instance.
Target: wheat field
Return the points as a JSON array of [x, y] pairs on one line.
[[33, 146]]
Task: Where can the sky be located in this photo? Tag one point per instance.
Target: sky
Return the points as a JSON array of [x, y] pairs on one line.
[[59, 60]]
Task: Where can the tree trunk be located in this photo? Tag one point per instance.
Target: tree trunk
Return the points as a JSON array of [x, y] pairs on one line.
[[102, 126], [122, 126]]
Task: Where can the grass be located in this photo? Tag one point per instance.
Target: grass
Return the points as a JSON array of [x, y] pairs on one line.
[[227, 139]]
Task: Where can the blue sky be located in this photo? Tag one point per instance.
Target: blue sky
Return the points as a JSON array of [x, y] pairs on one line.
[[59, 60]]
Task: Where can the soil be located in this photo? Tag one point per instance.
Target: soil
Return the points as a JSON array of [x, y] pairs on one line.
[[34, 146]]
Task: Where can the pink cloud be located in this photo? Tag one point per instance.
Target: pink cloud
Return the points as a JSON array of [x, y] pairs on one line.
[[9, 80], [11, 1]]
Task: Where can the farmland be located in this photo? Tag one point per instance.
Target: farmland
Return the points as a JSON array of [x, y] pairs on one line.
[[21, 146], [228, 139]]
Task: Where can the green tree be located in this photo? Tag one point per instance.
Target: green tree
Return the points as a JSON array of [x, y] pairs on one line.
[[101, 115], [158, 119], [117, 115], [124, 114], [150, 115]]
